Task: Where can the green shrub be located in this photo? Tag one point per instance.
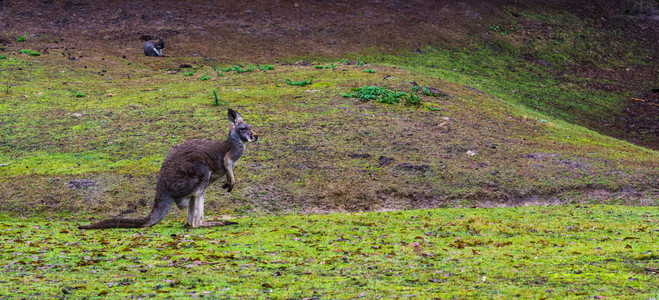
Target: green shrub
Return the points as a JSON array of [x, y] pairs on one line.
[[30, 52], [21, 38], [189, 73], [330, 66], [216, 100], [298, 83], [380, 94], [77, 93], [239, 70], [412, 99], [204, 77]]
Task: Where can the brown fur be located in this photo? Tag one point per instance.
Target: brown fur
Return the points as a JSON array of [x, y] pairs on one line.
[[186, 173]]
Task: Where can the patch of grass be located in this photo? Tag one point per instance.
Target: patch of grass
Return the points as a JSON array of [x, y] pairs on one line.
[[265, 67], [77, 93], [380, 94], [216, 100], [49, 137], [30, 52], [526, 252], [330, 66], [369, 71], [412, 99], [500, 29], [239, 70], [298, 83]]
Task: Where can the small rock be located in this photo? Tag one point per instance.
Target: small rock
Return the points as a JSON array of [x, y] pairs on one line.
[[359, 155], [80, 184], [411, 167], [385, 161], [472, 152], [303, 63]]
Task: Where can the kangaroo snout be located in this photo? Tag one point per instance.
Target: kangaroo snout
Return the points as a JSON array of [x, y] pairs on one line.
[[255, 137]]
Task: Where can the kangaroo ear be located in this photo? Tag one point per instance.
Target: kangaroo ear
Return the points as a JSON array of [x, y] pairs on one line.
[[234, 116]]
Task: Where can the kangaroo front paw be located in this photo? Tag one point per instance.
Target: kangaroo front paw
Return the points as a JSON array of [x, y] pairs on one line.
[[228, 186]]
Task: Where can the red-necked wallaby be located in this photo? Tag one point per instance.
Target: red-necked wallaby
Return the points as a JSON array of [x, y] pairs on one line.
[[186, 173], [154, 47]]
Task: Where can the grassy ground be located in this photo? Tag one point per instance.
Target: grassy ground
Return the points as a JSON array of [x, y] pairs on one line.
[[320, 150], [85, 123], [569, 251], [114, 121]]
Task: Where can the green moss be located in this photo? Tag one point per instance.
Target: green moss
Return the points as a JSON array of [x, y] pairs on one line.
[[524, 252]]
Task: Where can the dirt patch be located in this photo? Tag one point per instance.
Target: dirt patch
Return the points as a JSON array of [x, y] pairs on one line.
[[626, 195], [81, 184]]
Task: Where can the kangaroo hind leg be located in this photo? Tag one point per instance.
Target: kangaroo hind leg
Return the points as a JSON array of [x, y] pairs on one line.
[[196, 209], [162, 204]]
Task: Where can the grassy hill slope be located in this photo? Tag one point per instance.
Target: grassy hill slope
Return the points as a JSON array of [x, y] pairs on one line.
[[86, 119]]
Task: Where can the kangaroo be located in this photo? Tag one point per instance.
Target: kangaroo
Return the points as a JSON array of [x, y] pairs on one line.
[[154, 47], [187, 171]]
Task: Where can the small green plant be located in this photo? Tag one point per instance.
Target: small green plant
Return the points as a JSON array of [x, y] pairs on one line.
[[219, 74], [189, 73], [330, 66], [2, 56], [499, 29], [77, 93], [21, 38], [204, 77], [369, 71], [216, 100], [426, 91], [238, 69], [30, 52], [360, 62], [412, 99], [343, 61], [299, 83], [380, 94], [266, 67], [431, 92]]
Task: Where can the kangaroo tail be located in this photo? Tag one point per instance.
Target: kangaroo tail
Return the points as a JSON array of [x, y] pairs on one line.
[[160, 207], [116, 223]]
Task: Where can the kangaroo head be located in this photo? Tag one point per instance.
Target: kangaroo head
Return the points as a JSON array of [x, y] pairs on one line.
[[240, 129], [161, 43]]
